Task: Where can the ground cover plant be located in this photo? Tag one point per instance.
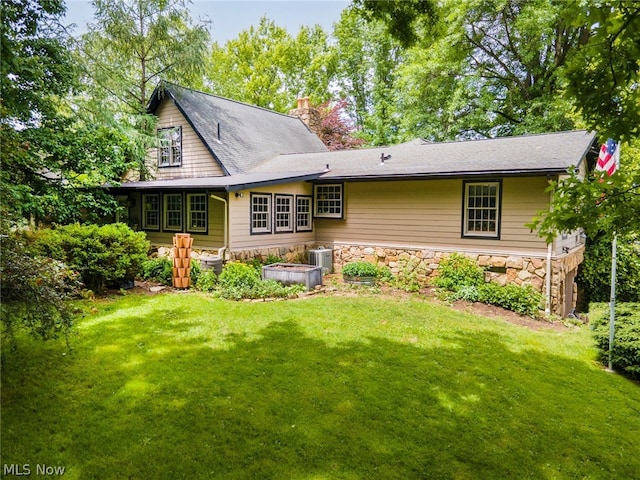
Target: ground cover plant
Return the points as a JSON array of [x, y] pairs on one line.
[[625, 355], [339, 387]]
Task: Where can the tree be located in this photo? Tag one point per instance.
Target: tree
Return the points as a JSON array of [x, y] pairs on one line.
[[265, 66], [368, 59], [336, 132], [52, 161], [492, 69], [603, 74], [130, 47]]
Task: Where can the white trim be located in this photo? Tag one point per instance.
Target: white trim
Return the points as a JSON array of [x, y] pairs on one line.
[[340, 188], [190, 227]]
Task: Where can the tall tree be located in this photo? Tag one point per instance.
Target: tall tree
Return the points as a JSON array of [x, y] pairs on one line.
[[132, 44], [490, 68], [52, 161], [266, 66], [130, 47], [368, 60]]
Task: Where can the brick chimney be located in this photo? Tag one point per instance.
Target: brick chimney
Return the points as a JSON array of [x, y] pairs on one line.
[[309, 115]]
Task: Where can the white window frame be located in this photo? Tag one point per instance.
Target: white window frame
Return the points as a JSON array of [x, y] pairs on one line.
[[167, 211], [304, 219], [283, 213], [170, 147], [481, 209], [146, 225], [328, 200], [203, 214], [260, 220]]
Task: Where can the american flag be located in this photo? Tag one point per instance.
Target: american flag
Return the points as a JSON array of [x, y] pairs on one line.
[[609, 157]]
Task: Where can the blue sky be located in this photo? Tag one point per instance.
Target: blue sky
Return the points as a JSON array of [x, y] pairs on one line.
[[228, 18]]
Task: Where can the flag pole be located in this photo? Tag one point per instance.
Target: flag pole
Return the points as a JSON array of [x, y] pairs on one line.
[[612, 302], [609, 161]]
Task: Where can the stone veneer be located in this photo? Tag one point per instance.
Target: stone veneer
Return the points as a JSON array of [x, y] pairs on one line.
[[521, 270]]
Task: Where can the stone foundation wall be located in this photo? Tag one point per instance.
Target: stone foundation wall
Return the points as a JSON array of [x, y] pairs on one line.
[[290, 254], [502, 269]]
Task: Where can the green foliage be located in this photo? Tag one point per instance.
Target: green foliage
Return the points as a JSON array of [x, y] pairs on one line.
[[595, 272], [103, 255], [207, 281], [458, 270], [266, 66], [35, 292], [462, 276], [522, 299], [158, 269], [626, 343], [599, 204], [239, 280], [271, 259], [602, 76], [238, 275], [360, 269], [407, 277]]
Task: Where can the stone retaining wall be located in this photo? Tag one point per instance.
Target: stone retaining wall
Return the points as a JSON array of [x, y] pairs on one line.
[[502, 269]]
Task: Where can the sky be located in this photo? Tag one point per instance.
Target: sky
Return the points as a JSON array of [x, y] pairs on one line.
[[228, 18]]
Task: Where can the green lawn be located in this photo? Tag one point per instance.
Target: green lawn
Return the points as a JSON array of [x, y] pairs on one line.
[[375, 387]]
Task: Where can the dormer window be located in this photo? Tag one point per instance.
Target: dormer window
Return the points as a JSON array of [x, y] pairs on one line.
[[170, 147]]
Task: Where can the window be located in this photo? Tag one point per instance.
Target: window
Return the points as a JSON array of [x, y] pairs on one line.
[[481, 209], [284, 213], [303, 214], [173, 212], [328, 201], [151, 212], [196, 212], [170, 147], [260, 213]]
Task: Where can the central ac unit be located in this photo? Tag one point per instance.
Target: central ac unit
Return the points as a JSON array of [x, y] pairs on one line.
[[322, 257]]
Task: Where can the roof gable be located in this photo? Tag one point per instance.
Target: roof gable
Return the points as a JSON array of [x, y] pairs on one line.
[[239, 136]]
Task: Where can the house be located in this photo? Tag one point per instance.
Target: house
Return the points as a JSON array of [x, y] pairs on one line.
[[247, 182]]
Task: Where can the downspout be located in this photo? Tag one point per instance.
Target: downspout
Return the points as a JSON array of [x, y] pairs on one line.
[[221, 251], [547, 309]]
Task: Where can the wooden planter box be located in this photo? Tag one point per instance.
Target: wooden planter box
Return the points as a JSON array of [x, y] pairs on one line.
[[358, 280], [293, 273]]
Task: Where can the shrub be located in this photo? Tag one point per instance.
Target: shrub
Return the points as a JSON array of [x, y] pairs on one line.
[[626, 344], [207, 281], [360, 269], [595, 272], [158, 269], [458, 270], [522, 299], [271, 259], [35, 292], [238, 275], [103, 255]]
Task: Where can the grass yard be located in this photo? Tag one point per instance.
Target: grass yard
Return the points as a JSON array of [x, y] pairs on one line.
[[185, 387]]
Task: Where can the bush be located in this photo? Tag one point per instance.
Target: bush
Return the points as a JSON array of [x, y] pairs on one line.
[[158, 269], [237, 275], [103, 255], [207, 281], [360, 269], [35, 292], [595, 272], [522, 299], [458, 270], [626, 344]]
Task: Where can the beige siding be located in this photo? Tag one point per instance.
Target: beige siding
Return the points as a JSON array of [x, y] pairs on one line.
[[213, 240], [197, 161], [428, 213], [240, 221]]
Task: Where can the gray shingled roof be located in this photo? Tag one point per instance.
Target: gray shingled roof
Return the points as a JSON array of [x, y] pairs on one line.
[[529, 154], [249, 135], [230, 183]]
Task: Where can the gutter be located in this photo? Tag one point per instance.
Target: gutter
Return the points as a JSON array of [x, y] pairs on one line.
[[222, 251]]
